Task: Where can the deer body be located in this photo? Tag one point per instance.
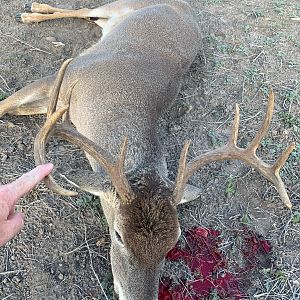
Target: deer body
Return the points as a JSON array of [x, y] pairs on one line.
[[127, 80], [119, 88]]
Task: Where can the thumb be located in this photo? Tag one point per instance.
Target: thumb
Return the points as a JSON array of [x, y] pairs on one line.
[[11, 227]]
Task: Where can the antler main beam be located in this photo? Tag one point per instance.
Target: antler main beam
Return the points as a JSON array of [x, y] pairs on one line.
[[232, 151], [43, 135]]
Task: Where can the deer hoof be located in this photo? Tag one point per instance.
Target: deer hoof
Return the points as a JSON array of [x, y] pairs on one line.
[[18, 18], [28, 7]]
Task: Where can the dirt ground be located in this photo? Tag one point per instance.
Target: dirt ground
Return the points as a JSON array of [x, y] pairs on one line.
[[248, 47]]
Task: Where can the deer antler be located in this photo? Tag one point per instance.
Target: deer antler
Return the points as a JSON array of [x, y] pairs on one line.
[[65, 131], [232, 151], [43, 134]]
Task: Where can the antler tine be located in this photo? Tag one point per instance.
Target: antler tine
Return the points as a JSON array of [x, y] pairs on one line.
[[120, 174], [115, 171], [232, 151], [235, 126], [56, 88], [181, 178], [119, 169], [276, 169], [283, 157], [265, 125]]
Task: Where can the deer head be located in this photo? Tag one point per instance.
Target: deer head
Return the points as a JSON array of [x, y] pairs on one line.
[[140, 208]]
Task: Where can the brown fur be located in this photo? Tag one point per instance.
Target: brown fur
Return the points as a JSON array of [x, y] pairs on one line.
[[150, 223]]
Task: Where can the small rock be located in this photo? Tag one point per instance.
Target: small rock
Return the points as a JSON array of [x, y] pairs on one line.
[[175, 128], [16, 279], [297, 282], [60, 276], [101, 242], [51, 39], [184, 109], [20, 146], [10, 125], [58, 44], [3, 157]]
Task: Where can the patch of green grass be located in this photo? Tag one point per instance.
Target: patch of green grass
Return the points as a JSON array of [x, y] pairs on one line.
[[92, 203], [225, 48], [270, 41], [15, 57], [245, 219], [289, 119], [295, 155], [271, 146], [290, 96], [215, 139], [264, 90], [279, 6], [293, 64], [214, 295], [296, 217], [3, 95], [89, 202], [219, 63], [211, 38], [280, 54], [257, 13], [230, 187], [280, 275], [252, 75], [247, 28], [228, 80], [243, 49], [215, 1]]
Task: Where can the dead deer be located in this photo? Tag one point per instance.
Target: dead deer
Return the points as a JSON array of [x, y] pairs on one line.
[[114, 94]]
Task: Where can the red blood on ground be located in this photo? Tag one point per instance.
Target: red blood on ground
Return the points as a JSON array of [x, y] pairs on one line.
[[209, 267], [254, 246]]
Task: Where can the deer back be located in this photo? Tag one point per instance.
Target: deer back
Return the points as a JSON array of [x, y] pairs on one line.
[[130, 76]]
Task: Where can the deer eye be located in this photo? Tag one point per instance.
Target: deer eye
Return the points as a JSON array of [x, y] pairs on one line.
[[118, 237]]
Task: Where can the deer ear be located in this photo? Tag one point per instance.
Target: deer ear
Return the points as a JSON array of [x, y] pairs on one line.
[[190, 192], [88, 181]]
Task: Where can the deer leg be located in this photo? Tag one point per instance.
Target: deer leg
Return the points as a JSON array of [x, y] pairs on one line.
[[40, 17], [43, 12], [32, 99], [100, 15], [43, 8]]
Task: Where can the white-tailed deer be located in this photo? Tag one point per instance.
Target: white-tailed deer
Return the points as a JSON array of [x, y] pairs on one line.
[[114, 94]]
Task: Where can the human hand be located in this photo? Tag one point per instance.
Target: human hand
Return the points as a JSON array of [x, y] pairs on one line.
[[11, 222]]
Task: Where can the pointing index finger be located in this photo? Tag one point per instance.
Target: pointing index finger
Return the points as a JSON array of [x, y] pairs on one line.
[[26, 183]]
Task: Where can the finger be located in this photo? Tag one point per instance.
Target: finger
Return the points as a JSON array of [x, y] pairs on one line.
[[13, 191], [5, 210], [11, 227]]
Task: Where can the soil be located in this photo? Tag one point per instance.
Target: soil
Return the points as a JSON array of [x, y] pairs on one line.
[[248, 48]]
